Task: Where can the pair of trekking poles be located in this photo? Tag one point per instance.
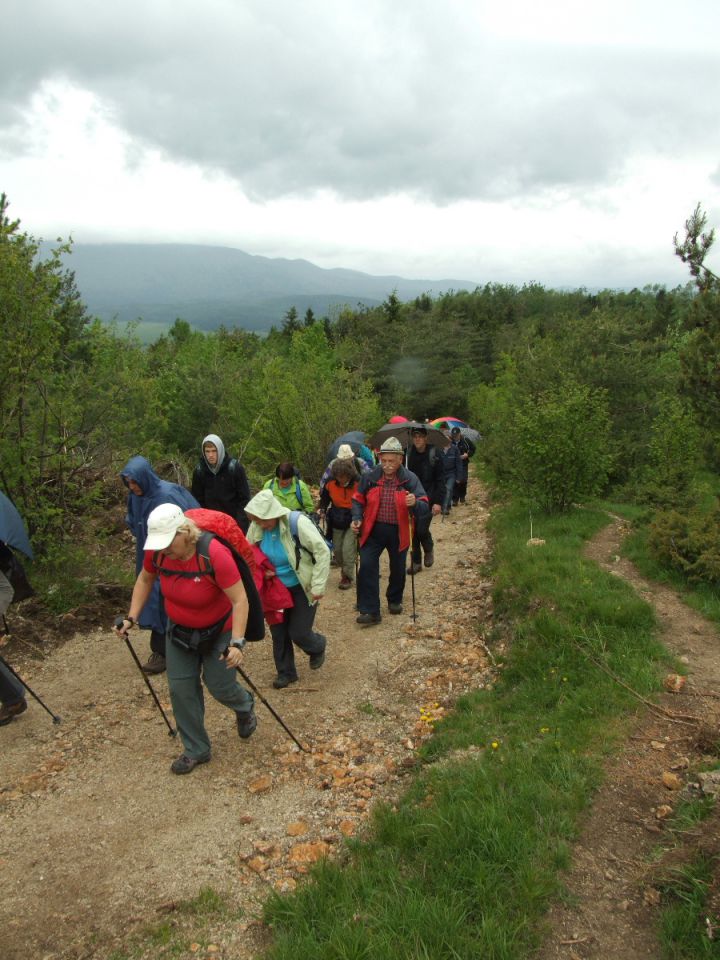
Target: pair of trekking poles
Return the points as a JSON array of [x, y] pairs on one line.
[[172, 732]]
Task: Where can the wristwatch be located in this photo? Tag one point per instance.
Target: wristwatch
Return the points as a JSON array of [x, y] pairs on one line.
[[238, 642]]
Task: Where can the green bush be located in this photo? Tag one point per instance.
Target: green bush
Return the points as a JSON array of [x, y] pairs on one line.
[[687, 541], [674, 456], [561, 446]]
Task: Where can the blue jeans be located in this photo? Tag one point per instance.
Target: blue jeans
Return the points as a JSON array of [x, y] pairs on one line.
[[184, 671], [383, 536]]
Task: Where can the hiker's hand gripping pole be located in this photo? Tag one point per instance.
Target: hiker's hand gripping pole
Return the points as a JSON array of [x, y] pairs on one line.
[[121, 631]]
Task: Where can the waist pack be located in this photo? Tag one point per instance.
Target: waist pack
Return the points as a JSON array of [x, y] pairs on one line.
[[197, 639], [339, 517]]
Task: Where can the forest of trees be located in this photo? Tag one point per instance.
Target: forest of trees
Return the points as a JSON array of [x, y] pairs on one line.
[[576, 394]]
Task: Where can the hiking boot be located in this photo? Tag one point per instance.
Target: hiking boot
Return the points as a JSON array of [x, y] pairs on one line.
[[155, 664], [429, 558], [368, 619], [317, 660], [414, 568], [12, 710], [395, 608], [186, 764], [246, 723], [281, 681], [345, 583]]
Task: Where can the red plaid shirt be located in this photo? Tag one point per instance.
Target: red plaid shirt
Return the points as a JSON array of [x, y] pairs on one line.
[[387, 511]]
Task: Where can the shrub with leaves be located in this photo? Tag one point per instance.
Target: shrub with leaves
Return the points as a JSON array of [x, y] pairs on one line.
[[560, 446], [687, 541]]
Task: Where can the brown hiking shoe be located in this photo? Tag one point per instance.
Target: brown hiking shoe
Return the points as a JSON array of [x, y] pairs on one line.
[[345, 583], [429, 558], [12, 710], [155, 664]]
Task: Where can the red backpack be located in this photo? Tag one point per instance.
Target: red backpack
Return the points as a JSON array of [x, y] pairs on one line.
[[225, 528], [213, 523]]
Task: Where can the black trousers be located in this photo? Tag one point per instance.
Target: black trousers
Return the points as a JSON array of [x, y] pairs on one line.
[[422, 539], [296, 628]]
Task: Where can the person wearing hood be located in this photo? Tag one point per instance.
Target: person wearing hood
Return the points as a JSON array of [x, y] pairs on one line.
[[302, 563], [145, 492], [219, 481]]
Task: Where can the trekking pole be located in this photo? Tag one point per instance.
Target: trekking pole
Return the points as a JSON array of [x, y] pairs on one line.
[[54, 716], [277, 716], [172, 732], [412, 569]]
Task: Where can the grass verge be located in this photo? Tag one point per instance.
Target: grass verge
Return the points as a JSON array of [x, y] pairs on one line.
[[467, 862]]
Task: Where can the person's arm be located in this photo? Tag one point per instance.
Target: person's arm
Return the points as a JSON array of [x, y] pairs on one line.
[[240, 609], [313, 541]]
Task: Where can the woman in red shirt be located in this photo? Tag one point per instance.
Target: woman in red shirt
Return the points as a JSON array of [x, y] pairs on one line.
[[207, 616]]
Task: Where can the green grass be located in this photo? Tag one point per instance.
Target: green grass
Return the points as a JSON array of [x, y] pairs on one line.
[[683, 929], [470, 859]]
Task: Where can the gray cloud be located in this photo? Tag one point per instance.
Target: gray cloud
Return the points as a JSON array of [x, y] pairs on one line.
[[367, 100]]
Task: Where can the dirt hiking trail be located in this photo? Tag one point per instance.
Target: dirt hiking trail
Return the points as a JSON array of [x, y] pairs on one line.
[[99, 839], [612, 882]]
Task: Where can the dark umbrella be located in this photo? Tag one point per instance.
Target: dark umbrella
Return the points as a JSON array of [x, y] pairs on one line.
[[356, 439], [12, 528], [403, 432]]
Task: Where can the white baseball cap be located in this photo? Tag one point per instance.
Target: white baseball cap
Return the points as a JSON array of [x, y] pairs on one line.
[[163, 523]]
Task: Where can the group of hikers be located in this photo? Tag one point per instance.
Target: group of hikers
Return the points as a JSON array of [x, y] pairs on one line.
[[215, 564]]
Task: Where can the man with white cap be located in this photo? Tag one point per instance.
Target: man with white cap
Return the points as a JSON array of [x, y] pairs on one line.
[[383, 507]]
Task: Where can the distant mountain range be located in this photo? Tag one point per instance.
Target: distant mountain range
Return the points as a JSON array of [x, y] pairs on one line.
[[212, 286]]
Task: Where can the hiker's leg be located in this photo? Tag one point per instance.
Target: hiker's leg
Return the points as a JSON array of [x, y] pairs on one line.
[[157, 642], [300, 623], [186, 696], [397, 558], [283, 653], [11, 691], [368, 581], [348, 551], [222, 682]]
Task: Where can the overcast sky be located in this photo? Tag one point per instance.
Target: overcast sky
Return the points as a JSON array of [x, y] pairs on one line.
[[513, 141]]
